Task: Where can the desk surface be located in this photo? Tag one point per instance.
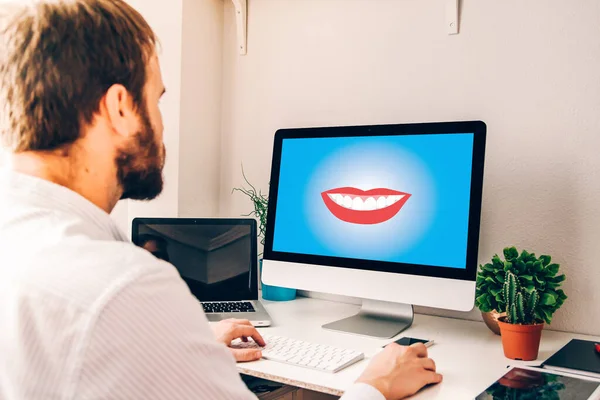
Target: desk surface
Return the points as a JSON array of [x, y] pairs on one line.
[[468, 355]]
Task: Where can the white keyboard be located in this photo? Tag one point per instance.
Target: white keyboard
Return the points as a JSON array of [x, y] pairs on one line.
[[304, 354]]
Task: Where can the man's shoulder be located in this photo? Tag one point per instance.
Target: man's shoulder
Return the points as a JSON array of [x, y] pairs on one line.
[[88, 271]]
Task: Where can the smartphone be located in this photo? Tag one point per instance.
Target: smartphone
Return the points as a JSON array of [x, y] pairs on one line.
[[407, 341]]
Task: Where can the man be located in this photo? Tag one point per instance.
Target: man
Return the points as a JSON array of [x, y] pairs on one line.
[[84, 314]]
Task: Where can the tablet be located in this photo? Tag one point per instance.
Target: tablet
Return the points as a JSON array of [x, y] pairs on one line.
[[525, 383]]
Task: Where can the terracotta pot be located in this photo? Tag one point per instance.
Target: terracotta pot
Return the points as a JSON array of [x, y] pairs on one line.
[[491, 320], [520, 342]]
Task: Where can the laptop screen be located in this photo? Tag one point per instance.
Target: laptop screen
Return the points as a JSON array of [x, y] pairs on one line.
[[215, 258]]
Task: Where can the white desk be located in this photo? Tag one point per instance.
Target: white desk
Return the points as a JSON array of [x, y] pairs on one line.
[[468, 355]]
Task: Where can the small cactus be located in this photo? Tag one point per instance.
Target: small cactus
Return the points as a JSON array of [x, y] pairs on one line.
[[532, 302], [512, 314], [520, 305], [510, 289]]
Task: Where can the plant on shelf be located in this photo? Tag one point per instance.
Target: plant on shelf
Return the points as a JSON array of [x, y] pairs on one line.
[[531, 272], [261, 203]]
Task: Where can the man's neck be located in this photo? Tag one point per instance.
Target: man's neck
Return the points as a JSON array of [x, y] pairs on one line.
[[66, 171]]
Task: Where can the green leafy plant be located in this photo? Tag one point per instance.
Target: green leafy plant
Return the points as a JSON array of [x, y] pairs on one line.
[[260, 202], [531, 273]]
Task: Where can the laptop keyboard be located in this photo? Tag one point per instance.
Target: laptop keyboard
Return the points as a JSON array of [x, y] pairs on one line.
[[228, 307]]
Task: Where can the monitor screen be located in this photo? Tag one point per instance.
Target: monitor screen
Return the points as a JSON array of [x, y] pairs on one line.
[[390, 201], [214, 260]]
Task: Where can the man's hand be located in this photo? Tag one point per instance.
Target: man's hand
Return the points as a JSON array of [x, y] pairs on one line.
[[398, 371], [228, 330]]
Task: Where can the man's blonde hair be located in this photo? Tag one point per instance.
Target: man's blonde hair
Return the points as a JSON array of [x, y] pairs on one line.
[[57, 60]]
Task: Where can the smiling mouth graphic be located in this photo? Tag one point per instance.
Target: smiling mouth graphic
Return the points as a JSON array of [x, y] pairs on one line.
[[364, 207]]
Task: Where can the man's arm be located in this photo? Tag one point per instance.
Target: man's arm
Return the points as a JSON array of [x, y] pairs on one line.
[[151, 340]]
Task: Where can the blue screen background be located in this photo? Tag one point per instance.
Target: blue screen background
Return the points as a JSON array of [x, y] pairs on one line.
[[431, 228]]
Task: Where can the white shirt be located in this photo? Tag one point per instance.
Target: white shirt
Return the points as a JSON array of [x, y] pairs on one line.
[[85, 314]]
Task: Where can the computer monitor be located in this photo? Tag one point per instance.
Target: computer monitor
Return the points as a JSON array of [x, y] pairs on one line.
[[388, 213]]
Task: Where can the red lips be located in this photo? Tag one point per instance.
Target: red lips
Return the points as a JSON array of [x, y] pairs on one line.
[[364, 207]]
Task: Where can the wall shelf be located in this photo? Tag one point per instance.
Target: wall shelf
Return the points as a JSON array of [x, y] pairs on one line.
[[241, 21], [452, 16]]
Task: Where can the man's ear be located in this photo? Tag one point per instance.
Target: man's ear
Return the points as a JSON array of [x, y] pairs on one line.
[[120, 114]]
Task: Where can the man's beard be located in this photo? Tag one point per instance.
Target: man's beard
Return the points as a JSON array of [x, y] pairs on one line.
[[140, 164]]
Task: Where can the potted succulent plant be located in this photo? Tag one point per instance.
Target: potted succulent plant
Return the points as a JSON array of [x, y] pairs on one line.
[[532, 272], [261, 203], [521, 328]]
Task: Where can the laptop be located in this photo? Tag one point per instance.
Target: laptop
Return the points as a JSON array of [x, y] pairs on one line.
[[216, 257]]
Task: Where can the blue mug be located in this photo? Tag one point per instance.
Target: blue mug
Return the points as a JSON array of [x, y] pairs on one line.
[[276, 293]]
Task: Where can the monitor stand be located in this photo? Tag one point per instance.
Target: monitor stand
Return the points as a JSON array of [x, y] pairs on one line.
[[379, 319]]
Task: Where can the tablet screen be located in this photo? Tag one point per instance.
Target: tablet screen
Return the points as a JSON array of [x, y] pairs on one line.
[[529, 384]]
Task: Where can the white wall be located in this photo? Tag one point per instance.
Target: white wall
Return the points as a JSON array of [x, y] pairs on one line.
[[200, 124], [529, 69]]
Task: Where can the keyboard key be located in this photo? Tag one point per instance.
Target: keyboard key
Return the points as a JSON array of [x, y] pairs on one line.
[[228, 307]]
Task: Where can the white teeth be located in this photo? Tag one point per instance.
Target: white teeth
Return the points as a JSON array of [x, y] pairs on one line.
[[358, 204], [347, 202], [370, 204]]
